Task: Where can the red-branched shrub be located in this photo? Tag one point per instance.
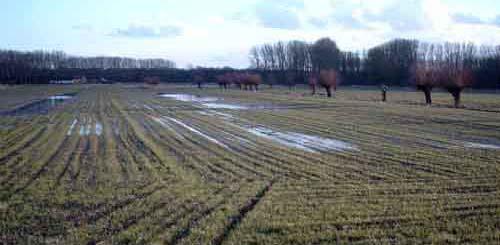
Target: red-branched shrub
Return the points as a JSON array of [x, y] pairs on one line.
[[329, 79]]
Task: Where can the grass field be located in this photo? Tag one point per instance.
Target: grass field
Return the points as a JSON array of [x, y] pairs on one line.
[[121, 164]]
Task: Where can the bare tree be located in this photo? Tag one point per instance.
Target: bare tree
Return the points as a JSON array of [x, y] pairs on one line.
[[226, 79], [270, 79], [313, 82], [325, 55], [459, 63], [251, 81], [456, 83], [426, 78], [198, 80], [329, 79], [255, 58]]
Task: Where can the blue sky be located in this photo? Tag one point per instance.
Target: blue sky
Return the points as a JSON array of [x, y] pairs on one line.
[[220, 32]]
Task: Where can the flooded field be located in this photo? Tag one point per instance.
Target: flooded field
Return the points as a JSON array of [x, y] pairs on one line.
[[177, 165], [482, 146], [208, 102], [42, 106]]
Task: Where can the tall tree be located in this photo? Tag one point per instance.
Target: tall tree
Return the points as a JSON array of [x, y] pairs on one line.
[[325, 55]]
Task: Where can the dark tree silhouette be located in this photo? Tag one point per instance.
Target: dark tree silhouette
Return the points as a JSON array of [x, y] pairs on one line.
[[391, 62], [325, 55]]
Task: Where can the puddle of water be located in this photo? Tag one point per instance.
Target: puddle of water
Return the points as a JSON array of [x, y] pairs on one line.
[[73, 124], [196, 131], [224, 106], [481, 146], [189, 98], [42, 106], [305, 142], [164, 121], [98, 128], [148, 107], [60, 97], [209, 102], [86, 128], [320, 143], [166, 125], [82, 130], [277, 137], [222, 115]]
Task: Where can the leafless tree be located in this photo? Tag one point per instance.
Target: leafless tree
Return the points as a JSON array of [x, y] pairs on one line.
[[251, 81], [226, 79], [425, 81], [255, 58], [198, 80], [457, 82], [313, 82], [329, 79]]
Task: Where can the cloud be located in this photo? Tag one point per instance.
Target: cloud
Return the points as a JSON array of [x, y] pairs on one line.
[[474, 20], [298, 4], [279, 14], [318, 22], [496, 21], [349, 21], [82, 27], [348, 14], [467, 19], [219, 58], [402, 16], [140, 31], [277, 18]]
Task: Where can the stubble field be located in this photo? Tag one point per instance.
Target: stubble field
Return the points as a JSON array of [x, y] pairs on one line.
[[119, 164]]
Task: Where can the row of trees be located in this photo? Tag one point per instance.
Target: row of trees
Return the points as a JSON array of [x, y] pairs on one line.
[[293, 62], [243, 80], [449, 66], [392, 63], [24, 67]]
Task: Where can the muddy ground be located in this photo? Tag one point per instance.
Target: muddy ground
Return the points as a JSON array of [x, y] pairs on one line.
[[173, 164]]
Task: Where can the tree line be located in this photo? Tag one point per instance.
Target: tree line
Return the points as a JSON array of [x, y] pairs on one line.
[[293, 62], [34, 67], [399, 62], [392, 63]]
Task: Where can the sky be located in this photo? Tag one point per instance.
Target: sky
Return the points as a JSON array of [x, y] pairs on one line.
[[220, 33]]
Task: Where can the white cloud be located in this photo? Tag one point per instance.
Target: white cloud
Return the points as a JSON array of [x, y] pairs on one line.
[[143, 31], [276, 16], [496, 21], [224, 38], [82, 27], [467, 19], [220, 32]]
